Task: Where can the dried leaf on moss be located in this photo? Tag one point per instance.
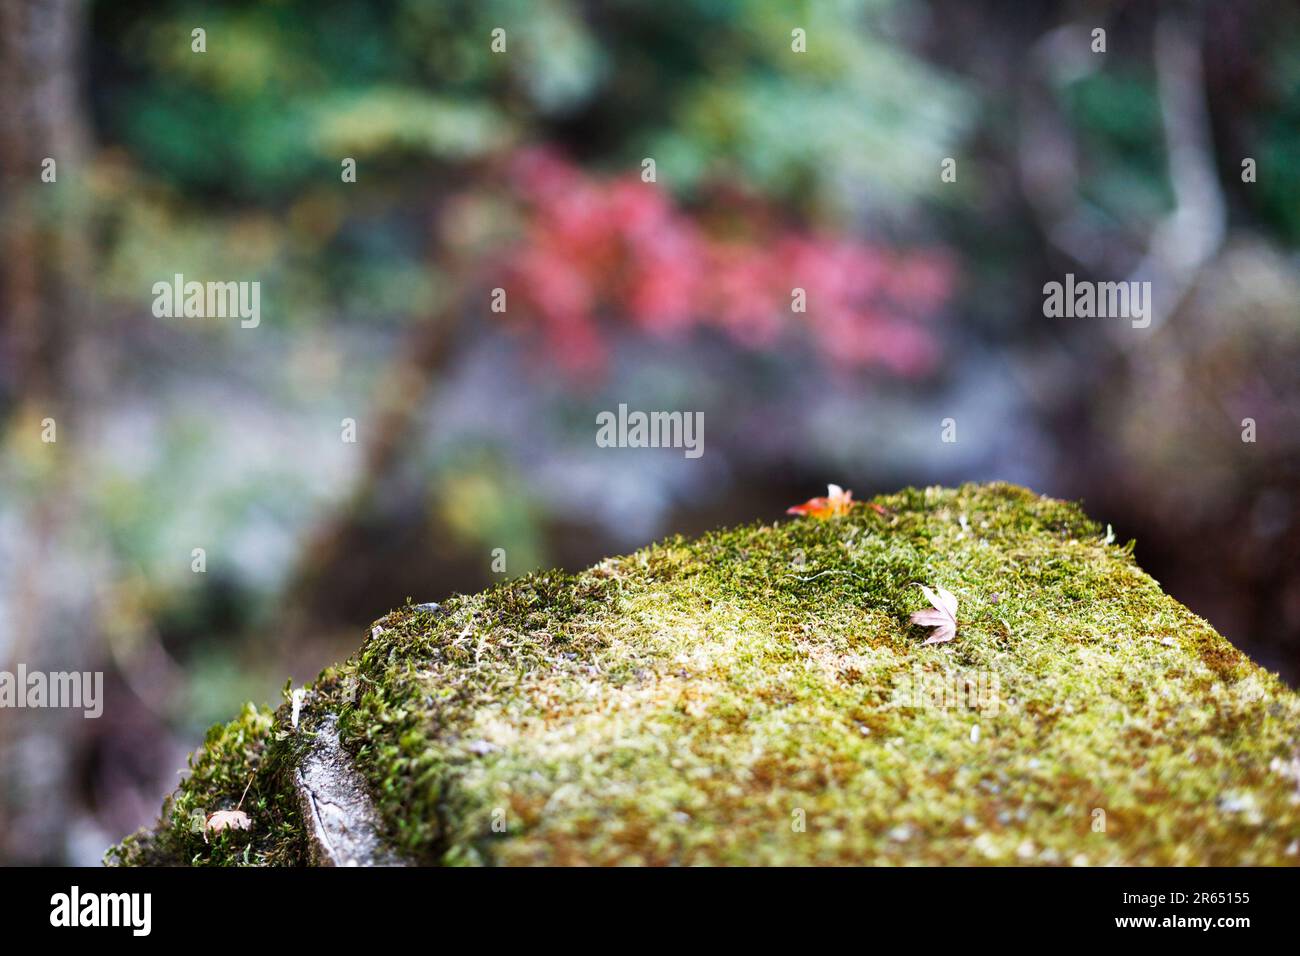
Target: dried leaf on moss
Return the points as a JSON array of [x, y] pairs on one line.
[[942, 616]]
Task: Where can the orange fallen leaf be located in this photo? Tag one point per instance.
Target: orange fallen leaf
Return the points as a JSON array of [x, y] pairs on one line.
[[835, 504]]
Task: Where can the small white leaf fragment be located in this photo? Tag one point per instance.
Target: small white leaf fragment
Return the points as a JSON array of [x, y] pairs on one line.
[[942, 616], [226, 820]]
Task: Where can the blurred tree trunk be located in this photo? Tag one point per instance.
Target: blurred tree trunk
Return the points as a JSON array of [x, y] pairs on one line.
[[45, 276], [43, 268]]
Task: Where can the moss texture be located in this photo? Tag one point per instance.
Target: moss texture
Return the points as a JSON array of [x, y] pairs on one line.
[[758, 696], [247, 759]]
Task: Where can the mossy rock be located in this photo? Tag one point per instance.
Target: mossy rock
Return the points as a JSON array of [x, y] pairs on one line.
[[759, 696]]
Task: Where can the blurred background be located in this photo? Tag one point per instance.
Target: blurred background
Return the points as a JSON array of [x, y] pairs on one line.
[[524, 170]]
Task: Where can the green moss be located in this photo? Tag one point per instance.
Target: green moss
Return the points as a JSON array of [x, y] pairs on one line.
[[759, 696], [245, 754]]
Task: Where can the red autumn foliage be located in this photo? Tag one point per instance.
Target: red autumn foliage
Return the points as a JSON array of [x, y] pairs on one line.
[[599, 250]]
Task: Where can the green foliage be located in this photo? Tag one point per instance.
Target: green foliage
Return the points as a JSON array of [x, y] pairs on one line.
[[1273, 193], [1122, 143], [853, 120], [284, 90]]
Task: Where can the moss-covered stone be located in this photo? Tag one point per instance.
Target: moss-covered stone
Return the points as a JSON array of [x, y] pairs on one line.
[[759, 696]]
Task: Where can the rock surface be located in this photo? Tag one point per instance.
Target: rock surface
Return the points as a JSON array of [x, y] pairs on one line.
[[760, 696], [342, 824]]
